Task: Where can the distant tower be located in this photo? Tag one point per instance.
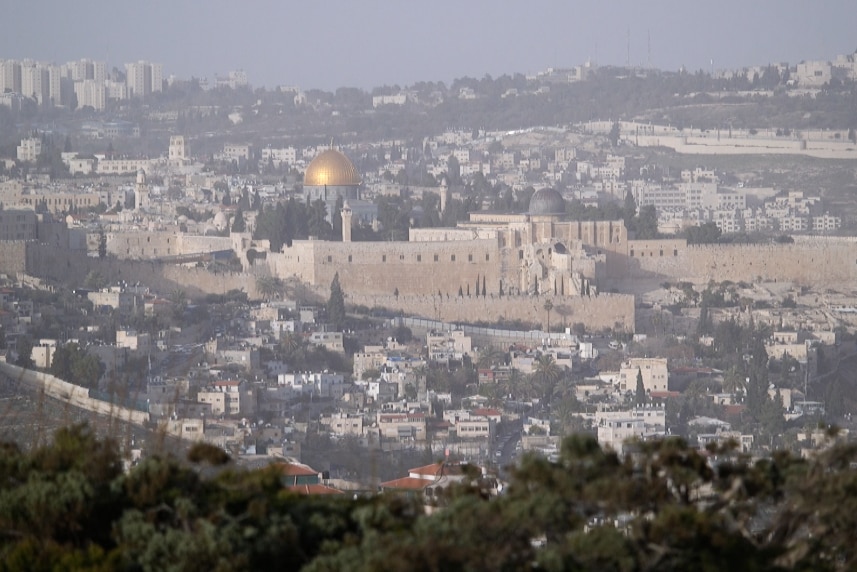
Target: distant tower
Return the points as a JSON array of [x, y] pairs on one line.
[[444, 194], [141, 192], [346, 222], [178, 150]]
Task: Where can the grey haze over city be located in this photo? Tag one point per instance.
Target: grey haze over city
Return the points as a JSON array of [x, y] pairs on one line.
[[371, 43]]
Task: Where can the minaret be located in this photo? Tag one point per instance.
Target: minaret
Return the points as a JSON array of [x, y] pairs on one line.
[[346, 222], [444, 194]]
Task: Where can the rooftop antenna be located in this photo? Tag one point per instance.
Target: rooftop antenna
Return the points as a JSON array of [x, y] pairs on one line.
[[649, 48], [628, 57]]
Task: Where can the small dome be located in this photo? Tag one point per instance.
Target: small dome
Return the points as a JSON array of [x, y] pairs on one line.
[[220, 220], [331, 168], [547, 202]]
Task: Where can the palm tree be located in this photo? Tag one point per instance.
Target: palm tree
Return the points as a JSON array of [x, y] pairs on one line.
[[178, 298], [565, 412], [564, 389], [267, 286], [733, 382], [513, 385], [489, 356], [548, 307], [492, 392], [545, 377], [294, 349]]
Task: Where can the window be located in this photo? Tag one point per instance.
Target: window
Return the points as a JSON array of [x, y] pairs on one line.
[[675, 252], [419, 257], [329, 258], [631, 252], [487, 257], [435, 257], [384, 258], [349, 258], [469, 258], [452, 258], [662, 252]]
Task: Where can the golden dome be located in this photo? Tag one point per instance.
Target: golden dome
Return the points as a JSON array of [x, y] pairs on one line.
[[331, 168]]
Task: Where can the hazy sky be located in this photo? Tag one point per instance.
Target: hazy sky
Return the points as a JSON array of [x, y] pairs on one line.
[[367, 43]]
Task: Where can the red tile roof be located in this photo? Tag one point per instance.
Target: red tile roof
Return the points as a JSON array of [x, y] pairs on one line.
[[296, 469], [436, 470], [408, 483], [664, 394]]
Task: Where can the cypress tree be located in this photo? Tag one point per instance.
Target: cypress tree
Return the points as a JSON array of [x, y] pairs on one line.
[[641, 389], [336, 305]]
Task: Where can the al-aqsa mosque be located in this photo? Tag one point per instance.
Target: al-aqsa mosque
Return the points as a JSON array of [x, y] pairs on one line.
[[535, 253]]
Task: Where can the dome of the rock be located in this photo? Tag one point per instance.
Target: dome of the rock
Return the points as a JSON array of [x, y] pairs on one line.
[[331, 168]]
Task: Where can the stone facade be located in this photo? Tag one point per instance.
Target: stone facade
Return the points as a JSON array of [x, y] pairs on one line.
[[812, 262]]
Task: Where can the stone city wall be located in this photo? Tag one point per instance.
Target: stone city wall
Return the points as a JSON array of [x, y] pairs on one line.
[[696, 145], [142, 245], [596, 312], [71, 394], [45, 262], [806, 262], [381, 268], [13, 256]]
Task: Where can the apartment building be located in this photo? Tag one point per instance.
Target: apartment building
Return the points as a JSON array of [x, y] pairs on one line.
[[615, 427], [402, 426], [143, 78], [29, 149], [654, 372]]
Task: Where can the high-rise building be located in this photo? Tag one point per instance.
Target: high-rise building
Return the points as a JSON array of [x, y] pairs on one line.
[[87, 69], [35, 81], [157, 71], [55, 85], [10, 76], [143, 78], [91, 93], [138, 79], [116, 89]]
